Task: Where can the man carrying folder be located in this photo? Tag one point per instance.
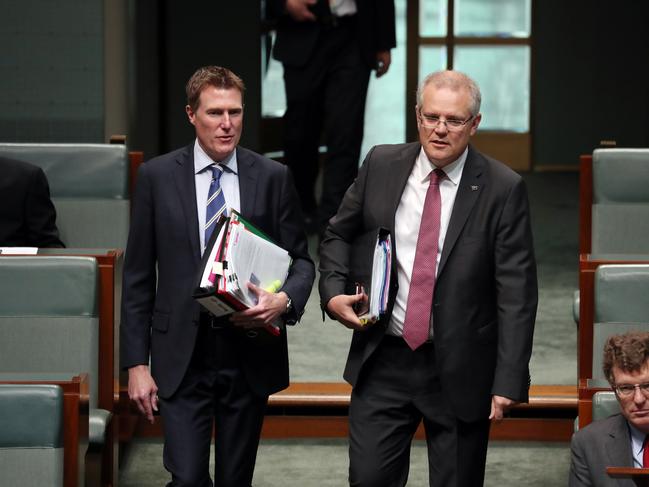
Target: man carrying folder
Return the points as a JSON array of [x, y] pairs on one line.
[[207, 370], [454, 346]]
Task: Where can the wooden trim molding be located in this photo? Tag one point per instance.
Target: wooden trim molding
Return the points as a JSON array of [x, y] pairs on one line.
[[319, 410]]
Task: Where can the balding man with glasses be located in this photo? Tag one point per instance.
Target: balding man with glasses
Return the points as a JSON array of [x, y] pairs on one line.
[[620, 439], [454, 346]]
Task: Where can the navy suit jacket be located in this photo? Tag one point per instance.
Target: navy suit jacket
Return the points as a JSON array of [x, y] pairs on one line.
[[485, 299], [159, 316]]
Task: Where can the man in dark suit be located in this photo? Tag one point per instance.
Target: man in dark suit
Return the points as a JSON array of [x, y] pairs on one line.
[[328, 50], [204, 369], [456, 357], [620, 439], [27, 215]]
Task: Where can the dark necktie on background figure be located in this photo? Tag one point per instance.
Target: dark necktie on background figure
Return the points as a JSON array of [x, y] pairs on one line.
[[422, 283], [215, 201], [645, 452]]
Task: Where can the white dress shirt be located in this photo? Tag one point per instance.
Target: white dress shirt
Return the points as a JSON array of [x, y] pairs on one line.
[[637, 441], [339, 8], [408, 219], [229, 185]]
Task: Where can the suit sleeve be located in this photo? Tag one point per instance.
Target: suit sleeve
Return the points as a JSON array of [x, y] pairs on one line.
[[579, 472], [386, 38], [40, 214], [516, 295], [139, 277], [340, 233], [302, 272]]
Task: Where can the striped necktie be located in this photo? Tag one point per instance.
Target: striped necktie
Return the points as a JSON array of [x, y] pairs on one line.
[[215, 201]]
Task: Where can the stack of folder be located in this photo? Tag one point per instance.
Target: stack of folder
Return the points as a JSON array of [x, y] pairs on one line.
[[238, 253], [370, 270]]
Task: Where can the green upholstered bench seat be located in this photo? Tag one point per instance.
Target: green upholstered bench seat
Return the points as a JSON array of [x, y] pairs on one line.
[[621, 305], [31, 435], [89, 186], [620, 208], [49, 322], [604, 404]]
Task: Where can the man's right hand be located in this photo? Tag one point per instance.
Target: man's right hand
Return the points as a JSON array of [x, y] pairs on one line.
[[341, 307], [143, 390], [299, 10]]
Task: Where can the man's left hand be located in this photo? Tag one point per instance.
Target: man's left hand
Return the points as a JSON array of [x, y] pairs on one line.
[[499, 405], [269, 307]]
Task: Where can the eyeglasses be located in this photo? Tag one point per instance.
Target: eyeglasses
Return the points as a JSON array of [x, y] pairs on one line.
[[627, 390], [452, 124]]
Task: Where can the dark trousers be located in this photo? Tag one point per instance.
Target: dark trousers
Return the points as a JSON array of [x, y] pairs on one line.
[[214, 391], [396, 390], [328, 93]]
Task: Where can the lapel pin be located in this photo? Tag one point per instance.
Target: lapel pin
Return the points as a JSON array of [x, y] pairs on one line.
[[474, 188]]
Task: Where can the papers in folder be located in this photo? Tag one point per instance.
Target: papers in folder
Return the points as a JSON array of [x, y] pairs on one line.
[[239, 254], [379, 275]]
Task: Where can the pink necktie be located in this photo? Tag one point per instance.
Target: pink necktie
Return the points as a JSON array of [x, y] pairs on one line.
[[420, 297]]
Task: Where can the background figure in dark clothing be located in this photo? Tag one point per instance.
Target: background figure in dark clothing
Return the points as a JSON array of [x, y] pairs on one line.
[[328, 53], [27, 215]]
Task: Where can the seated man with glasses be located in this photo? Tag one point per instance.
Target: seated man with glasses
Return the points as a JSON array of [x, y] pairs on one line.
[[619, 440]]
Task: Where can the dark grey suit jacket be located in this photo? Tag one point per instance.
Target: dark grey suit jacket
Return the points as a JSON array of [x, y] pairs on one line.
[[605, 443], [159, 316], [485, 299]]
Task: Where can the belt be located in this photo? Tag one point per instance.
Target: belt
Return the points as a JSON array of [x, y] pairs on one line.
[[209, 320], [331, 21], [396, 341], [222, 325]]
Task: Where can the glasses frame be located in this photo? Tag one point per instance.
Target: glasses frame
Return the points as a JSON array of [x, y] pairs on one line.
[[643, 387], [429, 124]]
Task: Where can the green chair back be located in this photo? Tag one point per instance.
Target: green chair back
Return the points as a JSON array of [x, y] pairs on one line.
[[621, 305], [604, 404], [31, 435], [89, 186], [49, 318], [620, 209]]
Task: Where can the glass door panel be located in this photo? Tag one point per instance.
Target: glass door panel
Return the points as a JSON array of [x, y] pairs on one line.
[[503, 74], [431, 58], [495, 18], [433, 18]]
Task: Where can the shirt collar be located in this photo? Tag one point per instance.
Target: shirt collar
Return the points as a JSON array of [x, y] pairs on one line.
[[424, 166], [202, 160]]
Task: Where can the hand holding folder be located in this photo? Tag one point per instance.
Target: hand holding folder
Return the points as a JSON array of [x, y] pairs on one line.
[[370, 269], [239, 263], [368, 281], [267, 310]]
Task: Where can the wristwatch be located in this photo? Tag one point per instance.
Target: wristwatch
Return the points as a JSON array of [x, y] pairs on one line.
[[289, 305]]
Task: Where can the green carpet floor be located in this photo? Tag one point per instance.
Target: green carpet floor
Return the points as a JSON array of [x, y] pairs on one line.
[[323, 463]]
